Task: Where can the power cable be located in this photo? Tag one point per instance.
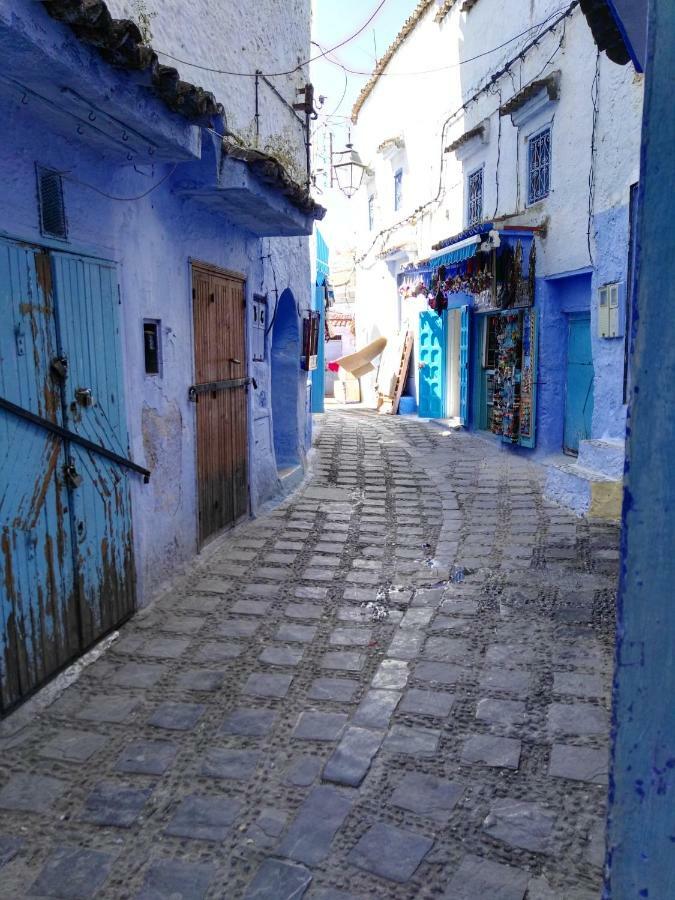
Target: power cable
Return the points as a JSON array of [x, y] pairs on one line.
[[462, 62], [299, 66], [69, 177]]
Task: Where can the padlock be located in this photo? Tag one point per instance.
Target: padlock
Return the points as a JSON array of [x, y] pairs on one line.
[[73, 477], [59, 367], [84, 396]]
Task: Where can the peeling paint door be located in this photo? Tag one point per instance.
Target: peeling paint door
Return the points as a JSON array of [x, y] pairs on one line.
[[222, 423], [87, 304], [66, 567]]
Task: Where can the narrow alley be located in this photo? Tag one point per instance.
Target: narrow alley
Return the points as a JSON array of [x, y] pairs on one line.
[[394, 684]]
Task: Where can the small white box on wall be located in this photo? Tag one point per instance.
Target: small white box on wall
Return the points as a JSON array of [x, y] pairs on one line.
[[610, 310]]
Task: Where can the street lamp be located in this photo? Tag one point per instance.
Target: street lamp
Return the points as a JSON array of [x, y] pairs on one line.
[[348, 170]]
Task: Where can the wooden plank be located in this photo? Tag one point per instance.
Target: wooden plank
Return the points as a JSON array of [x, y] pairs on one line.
[[388, 399]]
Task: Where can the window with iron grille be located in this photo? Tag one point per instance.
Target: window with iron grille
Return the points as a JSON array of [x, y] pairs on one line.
[[50, 203], [475, 191], [371, 212], [539, 166], [398, 189]]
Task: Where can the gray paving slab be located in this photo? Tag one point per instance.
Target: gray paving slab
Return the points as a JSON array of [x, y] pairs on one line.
[[341, 690], [169, 878], [32, 793], [579, 763], [353, 756], [522, 824], [204, 818], [278, 879], [390, 852], [491, 750], [114, 804], [73, 873], [479, 878], [313, 725], [310, 835], [427, 796], [250, 721]]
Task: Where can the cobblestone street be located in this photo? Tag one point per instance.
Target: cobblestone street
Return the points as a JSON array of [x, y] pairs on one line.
[[395, 684]]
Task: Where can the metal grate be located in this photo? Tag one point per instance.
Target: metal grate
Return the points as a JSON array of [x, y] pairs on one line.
[[398, 190], [475, 207], [50, 203], [539, 166]]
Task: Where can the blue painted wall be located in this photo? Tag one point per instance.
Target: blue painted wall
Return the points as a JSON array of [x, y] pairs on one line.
[[641, 846], [611, 265], [285, 370], [322, 274]]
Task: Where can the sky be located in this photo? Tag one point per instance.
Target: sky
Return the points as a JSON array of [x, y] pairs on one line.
[[335, 20]]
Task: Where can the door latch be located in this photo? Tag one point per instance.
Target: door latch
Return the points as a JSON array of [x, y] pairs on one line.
[[73, 477], [84, 396], [59, 367]]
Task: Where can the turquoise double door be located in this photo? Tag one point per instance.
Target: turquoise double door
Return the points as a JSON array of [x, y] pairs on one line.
[[433, 364], [66, 560]]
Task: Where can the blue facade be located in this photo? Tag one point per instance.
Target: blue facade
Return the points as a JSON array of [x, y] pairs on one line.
[[320, 292], [146, 192], [641, 842]]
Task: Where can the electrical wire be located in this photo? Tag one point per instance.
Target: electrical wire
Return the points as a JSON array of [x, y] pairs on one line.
[[595, 89], [167, 175], [297, 68], [456, 65]]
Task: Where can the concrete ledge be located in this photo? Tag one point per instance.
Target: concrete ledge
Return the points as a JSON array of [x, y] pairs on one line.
[[585, 491]]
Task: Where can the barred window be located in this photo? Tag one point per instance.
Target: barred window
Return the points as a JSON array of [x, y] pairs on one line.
[[398, 190], [475, 206], [539, 166], [371, 212]]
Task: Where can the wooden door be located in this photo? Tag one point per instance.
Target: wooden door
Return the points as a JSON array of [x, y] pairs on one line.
[[220, 392]]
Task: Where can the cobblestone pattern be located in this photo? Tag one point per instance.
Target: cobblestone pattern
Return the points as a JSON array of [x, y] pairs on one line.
[[396, 684]]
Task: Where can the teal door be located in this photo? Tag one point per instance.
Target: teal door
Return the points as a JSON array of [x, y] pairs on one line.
[[464, 366], [66, 564], [432, 365], [579, 383]]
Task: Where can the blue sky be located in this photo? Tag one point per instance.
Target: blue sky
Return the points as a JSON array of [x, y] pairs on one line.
[[335, 20]]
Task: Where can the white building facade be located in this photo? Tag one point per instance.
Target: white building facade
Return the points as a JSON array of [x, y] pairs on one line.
[[495, 223]]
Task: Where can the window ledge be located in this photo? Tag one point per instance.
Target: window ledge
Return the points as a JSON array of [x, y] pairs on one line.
[[533, 99]]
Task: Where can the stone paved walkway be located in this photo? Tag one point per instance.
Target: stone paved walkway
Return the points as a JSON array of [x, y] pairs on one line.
[[394, 685]]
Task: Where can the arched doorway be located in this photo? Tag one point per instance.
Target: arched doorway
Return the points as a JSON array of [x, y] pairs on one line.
[[284, 382]]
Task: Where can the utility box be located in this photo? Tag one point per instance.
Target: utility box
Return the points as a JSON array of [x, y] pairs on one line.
[[610, 315]]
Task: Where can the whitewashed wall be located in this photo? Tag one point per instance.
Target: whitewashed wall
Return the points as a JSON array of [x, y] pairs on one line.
[[414, 107], [237, 37]]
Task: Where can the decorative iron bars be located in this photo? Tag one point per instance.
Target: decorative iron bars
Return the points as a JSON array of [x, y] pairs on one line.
[[539, 166], [475, 208]]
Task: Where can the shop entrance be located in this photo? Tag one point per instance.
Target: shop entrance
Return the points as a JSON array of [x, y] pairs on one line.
[[488, 349]]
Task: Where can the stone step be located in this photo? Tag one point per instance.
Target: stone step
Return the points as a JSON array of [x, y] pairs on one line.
[[588, 492], [604, 456]]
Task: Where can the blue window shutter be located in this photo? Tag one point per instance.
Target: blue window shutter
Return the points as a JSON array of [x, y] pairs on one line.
[[464, 366]]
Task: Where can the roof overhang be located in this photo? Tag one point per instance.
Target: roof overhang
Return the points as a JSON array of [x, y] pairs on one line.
[[619, 29], [534, 97], [249, 203]]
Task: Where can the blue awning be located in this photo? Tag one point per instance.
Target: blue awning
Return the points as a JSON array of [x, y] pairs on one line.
[[455, 256]]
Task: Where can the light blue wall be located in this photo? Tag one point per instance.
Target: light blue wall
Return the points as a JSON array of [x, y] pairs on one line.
[[322, 273], [641, 852], [611, 265], [152, 240]]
